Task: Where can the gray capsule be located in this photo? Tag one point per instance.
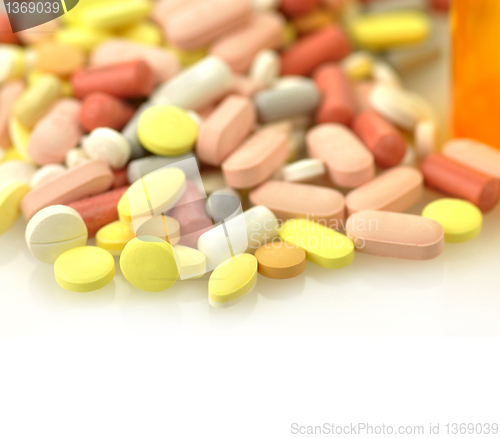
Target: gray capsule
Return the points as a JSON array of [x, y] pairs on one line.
[[222, 204], [297, 97], [130, 132]]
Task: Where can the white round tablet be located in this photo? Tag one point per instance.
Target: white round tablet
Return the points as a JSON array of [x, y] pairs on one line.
[[108, 145], [55, 230], [265, 67]]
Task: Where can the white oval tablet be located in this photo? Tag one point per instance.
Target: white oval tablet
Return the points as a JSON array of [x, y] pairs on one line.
[[265, 67], [193, 262], [55, 230], [108, 145], [304, 170], [16, 171]]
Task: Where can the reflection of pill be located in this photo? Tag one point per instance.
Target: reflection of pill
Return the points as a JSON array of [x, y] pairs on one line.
[[395, 190], [161, 226], [84, 269], [232, 280], [461, 220], [323, 246], [142, 166], [114, 237], [55, 230], [148, 263], [398, 235], [280, 260], [292, 200], [348, 161]]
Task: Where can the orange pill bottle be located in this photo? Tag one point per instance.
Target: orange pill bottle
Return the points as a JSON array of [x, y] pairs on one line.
[[476, 70]]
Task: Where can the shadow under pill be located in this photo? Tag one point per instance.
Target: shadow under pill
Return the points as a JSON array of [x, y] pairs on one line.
[[234, 316], [44, 288], [280, 290]]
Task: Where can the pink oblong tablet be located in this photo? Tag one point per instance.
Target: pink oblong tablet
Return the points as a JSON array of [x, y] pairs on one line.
[[395, 190], [239, 47], [475, 155], [116, 51], [199, 23], [383, 139], [9, 93], [397, 235], [87, 179], [57, 133], [257, 160], [225, 129], [338, 104], [289, 200], [349, 162]]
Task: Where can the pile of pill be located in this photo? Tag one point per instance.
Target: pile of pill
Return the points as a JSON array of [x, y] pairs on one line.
[[305, 144]]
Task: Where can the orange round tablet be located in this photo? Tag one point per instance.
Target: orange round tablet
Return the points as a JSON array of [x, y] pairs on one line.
[[281, 260]]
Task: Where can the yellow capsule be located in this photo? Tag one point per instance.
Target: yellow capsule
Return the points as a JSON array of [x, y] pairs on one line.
[[387, 30], [143, 33], [323, 246], [115, 15], [35, 76], [85, 38], [11, 196]]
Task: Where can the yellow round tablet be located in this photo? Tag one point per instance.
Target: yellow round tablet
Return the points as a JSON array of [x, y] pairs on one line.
[[461, 220], [167, 131], [232, 280], [114, 237], [149, 263], [84, 269], [10, 200]]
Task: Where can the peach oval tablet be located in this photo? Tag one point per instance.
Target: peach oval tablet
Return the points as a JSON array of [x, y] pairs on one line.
[[199, 23], [397, 235], [225, 129], [289, 200], [59, 59], [475, 155], [350, 164], [328, 44], [56, 133], [383, 139], [239, 47], [458, 180], [281, 260], [254, 162], [395, 190], [87, 179]]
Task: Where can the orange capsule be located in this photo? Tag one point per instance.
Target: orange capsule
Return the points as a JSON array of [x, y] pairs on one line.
[[457, 180], [100, 110], [329, 44], [383, 139], [338, 104], [126, 80]]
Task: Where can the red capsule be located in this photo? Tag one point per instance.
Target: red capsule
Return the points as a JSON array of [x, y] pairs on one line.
[[100, 210], [338, 104], [100, 110], [294, 8], [382, 138], [127, 80], [457, 180]]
